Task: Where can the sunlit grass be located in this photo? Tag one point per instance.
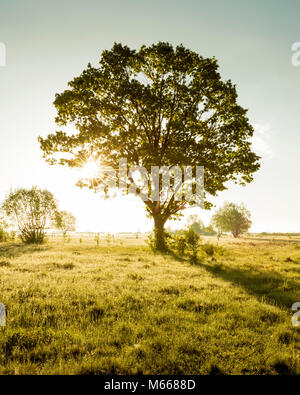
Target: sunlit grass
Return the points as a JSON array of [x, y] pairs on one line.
[[118, 308]]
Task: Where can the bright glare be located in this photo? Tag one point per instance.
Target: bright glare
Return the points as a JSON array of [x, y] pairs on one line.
[[90, 169]]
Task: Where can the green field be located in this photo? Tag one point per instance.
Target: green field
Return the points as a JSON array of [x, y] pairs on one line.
[[75, 308]]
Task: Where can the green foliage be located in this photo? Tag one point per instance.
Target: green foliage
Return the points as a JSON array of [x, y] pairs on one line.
[[197, 225], [209, 249], [158, 106], [232, 218], [179, 243], [195, 222], [185, 242], [208, 231], [193, 243], [31, 211], [7, 236], [159, 240], [189, 242], [12, 235], [4, 233], [65, 222]]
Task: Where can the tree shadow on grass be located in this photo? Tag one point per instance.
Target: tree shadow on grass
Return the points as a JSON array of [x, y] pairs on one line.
[[172, 254], [13, 250], [177, 257], [273, 287]]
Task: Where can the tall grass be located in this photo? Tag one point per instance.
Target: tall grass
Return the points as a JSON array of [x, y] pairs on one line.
[[83, 308]]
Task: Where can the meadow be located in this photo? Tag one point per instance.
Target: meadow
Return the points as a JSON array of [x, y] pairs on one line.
[[119, 308]]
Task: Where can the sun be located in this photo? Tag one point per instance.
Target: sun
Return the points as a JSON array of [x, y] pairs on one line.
[[90, 169]]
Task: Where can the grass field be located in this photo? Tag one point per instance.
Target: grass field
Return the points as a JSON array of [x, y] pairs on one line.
[[75, 308]]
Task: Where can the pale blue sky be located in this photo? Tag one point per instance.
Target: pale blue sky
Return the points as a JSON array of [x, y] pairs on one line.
[[48, 43]]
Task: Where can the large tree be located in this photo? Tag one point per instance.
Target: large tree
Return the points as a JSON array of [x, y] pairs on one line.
[[158, 106]]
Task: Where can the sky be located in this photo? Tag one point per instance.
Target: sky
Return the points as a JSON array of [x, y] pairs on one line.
[[49, 43]]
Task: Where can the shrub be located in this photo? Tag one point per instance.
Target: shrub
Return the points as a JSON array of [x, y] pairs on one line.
[[209, 249], [185, 241], [12, 235], [193, 243], [177, 242], [3, 235]]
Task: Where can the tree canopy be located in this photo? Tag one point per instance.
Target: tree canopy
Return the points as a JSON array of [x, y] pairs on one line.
[[232, 218], [31, 211], [66, 222], [156, 106]]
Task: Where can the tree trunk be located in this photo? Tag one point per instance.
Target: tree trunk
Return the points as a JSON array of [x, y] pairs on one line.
[[159, 234]]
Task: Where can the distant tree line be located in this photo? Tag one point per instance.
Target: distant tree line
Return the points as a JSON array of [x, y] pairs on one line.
[[195, 223], [230, 218]]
